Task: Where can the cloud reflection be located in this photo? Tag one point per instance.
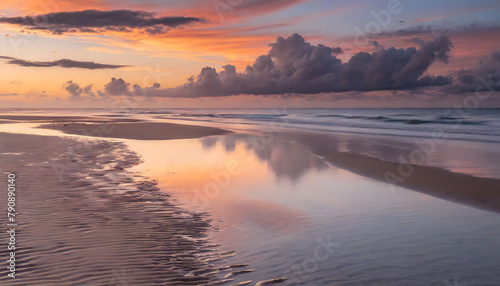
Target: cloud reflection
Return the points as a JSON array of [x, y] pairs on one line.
[[286, 159]]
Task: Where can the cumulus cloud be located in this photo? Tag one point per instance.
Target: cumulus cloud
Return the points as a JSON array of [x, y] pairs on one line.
[[73, 89], [96, 21], [64, 63], [76, 92], [295, 66], [485, 75], [117, 87], [337, 50]]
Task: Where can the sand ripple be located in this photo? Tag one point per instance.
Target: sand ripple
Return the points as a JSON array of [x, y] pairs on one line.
[[86, 220]]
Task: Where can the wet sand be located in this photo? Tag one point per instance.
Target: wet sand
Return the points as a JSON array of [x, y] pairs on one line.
[[85, 220], [483, 193], [139, 131], [44, 118], [284, 198]]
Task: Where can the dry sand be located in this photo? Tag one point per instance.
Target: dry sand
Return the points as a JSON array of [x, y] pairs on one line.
[[85, 220], [140, 131]]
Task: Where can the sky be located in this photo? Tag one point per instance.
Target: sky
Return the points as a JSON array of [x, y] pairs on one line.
[[249, 53]]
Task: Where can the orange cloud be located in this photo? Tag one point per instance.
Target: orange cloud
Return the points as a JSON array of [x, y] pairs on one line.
[[37, 7]]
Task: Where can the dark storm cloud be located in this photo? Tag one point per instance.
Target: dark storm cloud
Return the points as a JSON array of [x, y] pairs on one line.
[[64, 63], [95, 21], [297, 67]]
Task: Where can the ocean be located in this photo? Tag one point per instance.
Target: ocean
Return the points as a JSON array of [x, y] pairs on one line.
[[458, 123]]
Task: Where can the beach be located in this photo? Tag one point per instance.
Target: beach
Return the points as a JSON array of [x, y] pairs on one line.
[[108, 201], [234, 143], [139, 131], [85, 220], [435, 181], [431, 180]]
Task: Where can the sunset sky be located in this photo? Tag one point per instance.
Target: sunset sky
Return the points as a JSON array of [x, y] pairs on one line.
[[248, 53]]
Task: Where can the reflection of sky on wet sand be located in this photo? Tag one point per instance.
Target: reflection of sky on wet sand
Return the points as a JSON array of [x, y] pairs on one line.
[[280, 199], [197, 172], [474, 158]]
